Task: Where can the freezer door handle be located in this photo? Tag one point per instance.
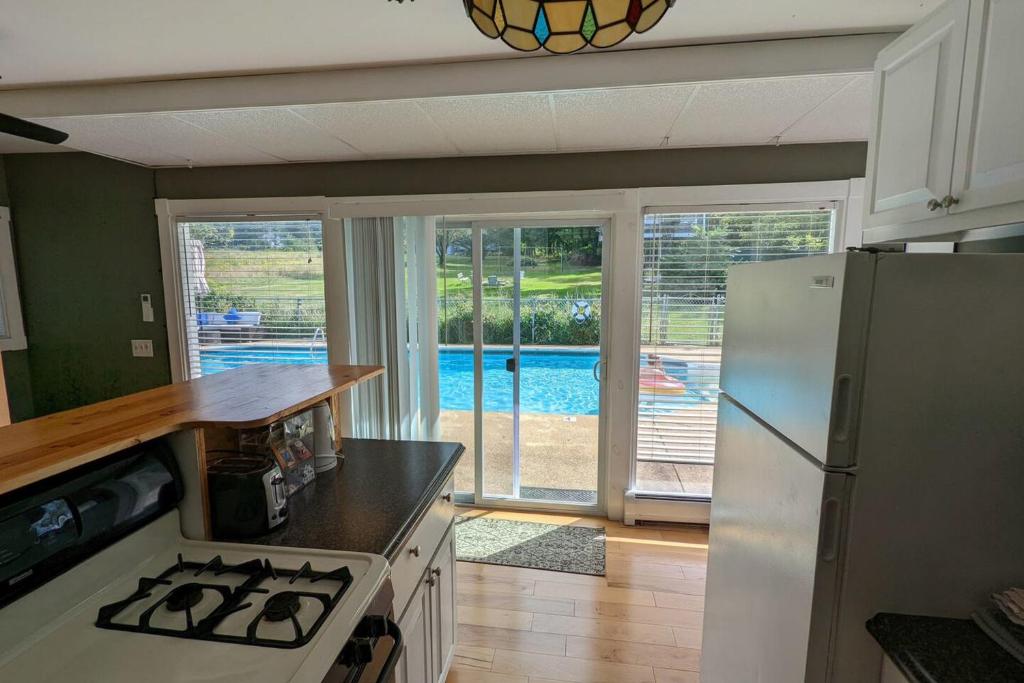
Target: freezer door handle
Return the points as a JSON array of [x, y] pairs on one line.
[[842, 407], [831, 521]]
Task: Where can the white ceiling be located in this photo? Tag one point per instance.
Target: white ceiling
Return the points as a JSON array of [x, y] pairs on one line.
[[784, 110], [61, 41]]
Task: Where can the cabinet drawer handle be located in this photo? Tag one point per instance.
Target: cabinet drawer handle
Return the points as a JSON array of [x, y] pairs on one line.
[[415, 552], [447, 497], [949, 200], [934, 205]]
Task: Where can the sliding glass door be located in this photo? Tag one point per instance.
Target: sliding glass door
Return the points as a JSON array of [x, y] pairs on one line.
[[687, 253], [534, 291]]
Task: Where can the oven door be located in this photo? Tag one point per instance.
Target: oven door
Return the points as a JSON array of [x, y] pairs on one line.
[[372, 652]]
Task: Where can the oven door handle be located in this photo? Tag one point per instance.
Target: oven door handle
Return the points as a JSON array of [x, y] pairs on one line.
[[391, 662]]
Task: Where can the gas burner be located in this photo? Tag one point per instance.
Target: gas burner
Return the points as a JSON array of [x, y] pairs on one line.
[[184, 596], [234, 586], [281, 606]]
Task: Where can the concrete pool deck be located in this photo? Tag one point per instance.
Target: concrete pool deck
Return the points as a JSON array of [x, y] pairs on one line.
[[555, 453]]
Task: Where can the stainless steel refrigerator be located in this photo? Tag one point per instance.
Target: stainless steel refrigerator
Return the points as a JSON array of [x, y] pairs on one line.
[[870, 456]]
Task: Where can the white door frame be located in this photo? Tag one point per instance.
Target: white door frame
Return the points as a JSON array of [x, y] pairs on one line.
[[620, 209], [477, 227]]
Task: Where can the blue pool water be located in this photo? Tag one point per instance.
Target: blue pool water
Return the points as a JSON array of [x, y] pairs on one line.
[[555, 382], [561, 383]]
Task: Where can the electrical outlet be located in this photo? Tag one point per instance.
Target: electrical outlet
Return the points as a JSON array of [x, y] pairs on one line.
[[142, 348]]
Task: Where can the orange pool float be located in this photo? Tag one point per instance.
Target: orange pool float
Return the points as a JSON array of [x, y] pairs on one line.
[[655, 381]]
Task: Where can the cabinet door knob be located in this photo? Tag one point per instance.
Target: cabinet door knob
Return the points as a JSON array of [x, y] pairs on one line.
[[415, 552], [447, 497], [431, 581], [949, 200], [436, 571], [934, 205]]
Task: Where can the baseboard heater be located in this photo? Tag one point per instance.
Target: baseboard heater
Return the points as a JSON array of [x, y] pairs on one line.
[[643, 507]]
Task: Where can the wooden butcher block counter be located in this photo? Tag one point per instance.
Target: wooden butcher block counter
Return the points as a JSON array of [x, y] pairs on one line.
[[250, 396]]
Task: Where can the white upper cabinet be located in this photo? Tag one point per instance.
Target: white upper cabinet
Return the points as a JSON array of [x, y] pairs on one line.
[[917, 93], [989, 168], [946, 153]]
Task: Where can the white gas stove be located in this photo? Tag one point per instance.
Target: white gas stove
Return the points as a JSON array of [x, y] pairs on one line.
[[155, 607]]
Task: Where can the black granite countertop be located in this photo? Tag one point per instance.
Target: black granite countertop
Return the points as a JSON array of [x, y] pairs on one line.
[[939, 650], [371, 501]]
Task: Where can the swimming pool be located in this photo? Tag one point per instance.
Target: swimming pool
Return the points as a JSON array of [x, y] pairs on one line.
[[555, 382], [558, 382]]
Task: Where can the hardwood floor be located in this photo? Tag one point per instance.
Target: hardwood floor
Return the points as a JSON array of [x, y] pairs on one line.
[[639, 624]]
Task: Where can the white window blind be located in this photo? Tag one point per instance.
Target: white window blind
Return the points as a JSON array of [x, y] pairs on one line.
[[686, 258], [253, 292]]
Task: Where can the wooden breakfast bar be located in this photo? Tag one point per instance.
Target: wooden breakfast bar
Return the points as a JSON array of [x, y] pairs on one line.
[[200, 414]]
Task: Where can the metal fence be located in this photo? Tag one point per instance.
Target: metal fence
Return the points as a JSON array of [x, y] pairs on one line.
[[260, 318]]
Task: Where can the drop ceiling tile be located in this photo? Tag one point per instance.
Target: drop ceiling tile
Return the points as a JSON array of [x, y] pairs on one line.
[[155, 140], [495, 124], [275, 131], [846, 116], [199, 146], [750, 112], [122, 137], [618, 118], [381, 129]]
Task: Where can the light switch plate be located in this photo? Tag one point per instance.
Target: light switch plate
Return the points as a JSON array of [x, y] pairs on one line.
[[142, 348], [147, 308]]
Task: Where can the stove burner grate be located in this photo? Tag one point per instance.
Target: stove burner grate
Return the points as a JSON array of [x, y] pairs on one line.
[[184, 597], [277, 607], [281, 606]]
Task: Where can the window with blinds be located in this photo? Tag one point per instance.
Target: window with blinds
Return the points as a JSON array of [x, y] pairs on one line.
[[686, 258], [252, 292]]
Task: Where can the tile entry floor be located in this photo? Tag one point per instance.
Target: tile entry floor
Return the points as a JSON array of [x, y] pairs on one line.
[[641, 623]]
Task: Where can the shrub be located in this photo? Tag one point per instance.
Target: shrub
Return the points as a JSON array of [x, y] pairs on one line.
[[544, 321]]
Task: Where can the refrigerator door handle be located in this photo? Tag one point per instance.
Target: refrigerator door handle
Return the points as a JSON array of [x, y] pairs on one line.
[[842, 407], [831, 520]]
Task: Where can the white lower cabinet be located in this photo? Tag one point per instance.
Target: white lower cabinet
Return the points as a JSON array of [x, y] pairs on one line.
[[428, 620], [443, 569], [416, 664]]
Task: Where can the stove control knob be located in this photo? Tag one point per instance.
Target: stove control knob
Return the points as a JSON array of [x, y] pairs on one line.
[[356, 652]]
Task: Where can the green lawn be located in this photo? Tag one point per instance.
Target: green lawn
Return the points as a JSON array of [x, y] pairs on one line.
[[298, 274], [269, 273], [549, 278]]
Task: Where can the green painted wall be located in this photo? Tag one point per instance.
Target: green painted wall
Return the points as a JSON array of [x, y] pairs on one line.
[[87, 246], [525, 173]]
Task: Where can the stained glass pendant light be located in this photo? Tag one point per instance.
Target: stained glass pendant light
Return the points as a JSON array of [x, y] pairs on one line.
[[564, 25]]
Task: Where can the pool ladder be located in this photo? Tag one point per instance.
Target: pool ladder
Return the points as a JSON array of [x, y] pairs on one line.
[[318, 333]]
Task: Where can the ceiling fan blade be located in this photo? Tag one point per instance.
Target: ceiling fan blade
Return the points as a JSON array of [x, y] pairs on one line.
[[33, 131]]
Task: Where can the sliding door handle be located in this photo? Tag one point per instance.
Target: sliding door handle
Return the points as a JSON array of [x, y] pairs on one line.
[[510, 365]]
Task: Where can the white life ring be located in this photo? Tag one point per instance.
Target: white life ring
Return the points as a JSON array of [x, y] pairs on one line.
[[581, 311]]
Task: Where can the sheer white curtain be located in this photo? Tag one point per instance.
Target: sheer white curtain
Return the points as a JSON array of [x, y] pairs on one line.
[[393, 318]]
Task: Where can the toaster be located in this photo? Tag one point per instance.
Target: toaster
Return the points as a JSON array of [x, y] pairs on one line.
[[247, 496]]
